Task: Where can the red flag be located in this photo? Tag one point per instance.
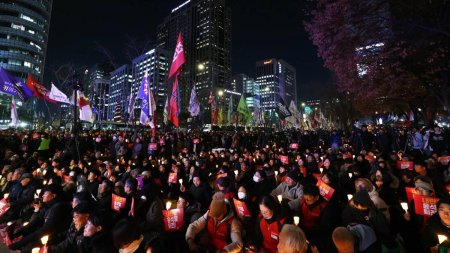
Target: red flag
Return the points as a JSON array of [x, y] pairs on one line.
[[39, 90], [178, 58], [173, 104]]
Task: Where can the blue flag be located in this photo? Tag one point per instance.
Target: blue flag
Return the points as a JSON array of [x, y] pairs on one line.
[[14, 86], [148, 106]]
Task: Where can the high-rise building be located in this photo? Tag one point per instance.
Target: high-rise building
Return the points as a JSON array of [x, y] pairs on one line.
[[24, 28], [156, 63], [206, 29], [247, 85], [276, 79], [119, 91], [98, 91]]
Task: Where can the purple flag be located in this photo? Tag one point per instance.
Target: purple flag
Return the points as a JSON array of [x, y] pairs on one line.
[[194, 105], [148, 106], [14, 86]]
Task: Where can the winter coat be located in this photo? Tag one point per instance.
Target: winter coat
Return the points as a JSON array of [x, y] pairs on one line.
[[293, 194], [235, 230]]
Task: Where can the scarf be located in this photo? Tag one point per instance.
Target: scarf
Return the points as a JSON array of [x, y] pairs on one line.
[[133, 246]]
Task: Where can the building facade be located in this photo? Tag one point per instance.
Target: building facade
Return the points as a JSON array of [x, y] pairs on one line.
[[98, 91], [247, 85], [119, 91], [156, 63], [24, 29], [277, 81], [206, 29]]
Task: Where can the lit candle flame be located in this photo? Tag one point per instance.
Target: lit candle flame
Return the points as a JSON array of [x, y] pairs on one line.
[[296, 220], [236, 172], [350, 175], [321, 170], [168, 205], [25, 224], [180, 181], [404, 206], [276, 173], [442, 238], [349, 196], [35, 250], [6, 195], [45, 182], [9, 223], [44, 239], [280, 198]]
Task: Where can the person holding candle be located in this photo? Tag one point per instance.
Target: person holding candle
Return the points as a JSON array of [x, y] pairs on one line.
[[291, 190], [20, 197], [223, 229], [362, 210], [438, 224], [81, 215], [270, 221], [52, 220]]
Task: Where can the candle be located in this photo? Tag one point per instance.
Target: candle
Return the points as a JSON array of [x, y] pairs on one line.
[[44, 239], [6, 195], [217, 166], [374, 157], [353, 156], [276, 173], [180, 181], [296, 220], [9, 223], [236, 172], [349, 196], [404, 206], [280, 198], [45, 182], [321, 170], [350, 175], [442, 238], [168, 205], [117, 160], [25, 224], [35, 250]]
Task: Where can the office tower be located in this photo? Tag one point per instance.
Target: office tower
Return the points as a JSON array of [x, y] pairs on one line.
[[156, 63], [276, 79], [247, 85], [206, 29], [24, 28], [98, 91], [119, 91]]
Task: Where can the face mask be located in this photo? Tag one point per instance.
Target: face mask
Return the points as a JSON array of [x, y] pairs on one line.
[[241, 195], [256, 179]]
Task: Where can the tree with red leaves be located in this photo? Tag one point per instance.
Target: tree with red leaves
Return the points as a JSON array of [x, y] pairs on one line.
[[391, 55]]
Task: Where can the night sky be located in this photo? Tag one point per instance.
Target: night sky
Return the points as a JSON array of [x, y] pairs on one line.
[[261, 29]]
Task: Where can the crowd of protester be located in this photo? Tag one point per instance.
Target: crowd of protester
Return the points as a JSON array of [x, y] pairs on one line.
[[238, 191]]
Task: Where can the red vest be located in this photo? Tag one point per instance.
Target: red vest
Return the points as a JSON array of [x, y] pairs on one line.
[[311, 217], [220, 235], [270, 233]]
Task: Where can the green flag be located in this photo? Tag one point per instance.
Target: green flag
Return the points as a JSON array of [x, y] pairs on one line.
[[230, 110], [243, 108], [220, 117]]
